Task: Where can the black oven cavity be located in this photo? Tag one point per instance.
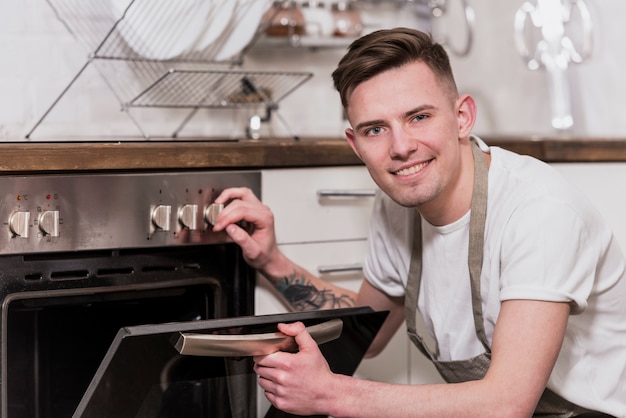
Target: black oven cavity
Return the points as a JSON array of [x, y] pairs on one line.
[[62, 311]]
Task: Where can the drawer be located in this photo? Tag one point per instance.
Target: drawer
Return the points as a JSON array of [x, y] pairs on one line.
[[319, 204]]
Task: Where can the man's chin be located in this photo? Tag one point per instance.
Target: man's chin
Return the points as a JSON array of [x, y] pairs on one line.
[[406, 201]]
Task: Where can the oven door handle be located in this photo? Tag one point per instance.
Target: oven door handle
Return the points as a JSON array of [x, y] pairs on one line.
[[252, 344]]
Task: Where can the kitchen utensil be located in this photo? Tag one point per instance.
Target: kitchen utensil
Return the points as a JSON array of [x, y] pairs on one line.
[[347, 19], [284, 19], [555, 50], [441, 8], [318, 19]]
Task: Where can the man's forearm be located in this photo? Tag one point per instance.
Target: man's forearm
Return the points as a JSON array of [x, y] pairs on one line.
[[304, 292]]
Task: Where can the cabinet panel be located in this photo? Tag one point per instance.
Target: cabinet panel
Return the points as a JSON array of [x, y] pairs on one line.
[[303, 215]]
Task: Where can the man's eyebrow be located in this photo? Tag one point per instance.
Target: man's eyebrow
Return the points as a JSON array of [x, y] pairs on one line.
[[406, 114], [419, 109], [366, 124]]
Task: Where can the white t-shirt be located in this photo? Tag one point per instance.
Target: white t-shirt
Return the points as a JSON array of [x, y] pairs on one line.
[[543, 241]]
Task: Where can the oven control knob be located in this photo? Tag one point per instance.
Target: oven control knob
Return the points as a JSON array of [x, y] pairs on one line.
[[212, 211], [188, 216], [49, 222], [18, 223], [161, 217]]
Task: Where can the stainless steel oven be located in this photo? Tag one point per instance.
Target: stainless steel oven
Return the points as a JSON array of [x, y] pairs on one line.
[[103, 275]]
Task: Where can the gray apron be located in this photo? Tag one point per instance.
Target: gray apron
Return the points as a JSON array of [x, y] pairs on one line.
[[550, 404]]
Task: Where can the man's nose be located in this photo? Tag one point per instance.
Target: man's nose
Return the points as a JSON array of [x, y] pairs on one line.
[[402, 143]]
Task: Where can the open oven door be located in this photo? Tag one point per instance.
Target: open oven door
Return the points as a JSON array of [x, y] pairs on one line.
[[204, 368]]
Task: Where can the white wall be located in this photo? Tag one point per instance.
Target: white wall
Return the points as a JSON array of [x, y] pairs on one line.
[[39, 58]]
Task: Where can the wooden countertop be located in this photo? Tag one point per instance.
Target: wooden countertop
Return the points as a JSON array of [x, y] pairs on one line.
[[264, 153]]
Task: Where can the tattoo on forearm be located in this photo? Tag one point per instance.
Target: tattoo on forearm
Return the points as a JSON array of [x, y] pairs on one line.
[[303, 296]]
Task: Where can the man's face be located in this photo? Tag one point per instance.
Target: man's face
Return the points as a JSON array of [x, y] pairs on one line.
[[406, 129]]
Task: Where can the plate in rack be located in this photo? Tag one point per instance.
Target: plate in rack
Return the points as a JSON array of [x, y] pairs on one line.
[[242, 28], [160, 29]]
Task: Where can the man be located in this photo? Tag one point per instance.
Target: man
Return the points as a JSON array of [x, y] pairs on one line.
[[516, 276]]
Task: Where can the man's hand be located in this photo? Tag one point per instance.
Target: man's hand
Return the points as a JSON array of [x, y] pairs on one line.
[[296, 382], [258, 243]]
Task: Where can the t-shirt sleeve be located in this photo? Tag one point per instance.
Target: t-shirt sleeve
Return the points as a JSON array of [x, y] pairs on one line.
[[548, 254]]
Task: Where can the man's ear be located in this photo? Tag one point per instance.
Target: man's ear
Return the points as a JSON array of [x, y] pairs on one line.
[[350, 137], [466, 114]]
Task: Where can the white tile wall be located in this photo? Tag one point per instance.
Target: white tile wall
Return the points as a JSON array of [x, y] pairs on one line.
[[38, 58]]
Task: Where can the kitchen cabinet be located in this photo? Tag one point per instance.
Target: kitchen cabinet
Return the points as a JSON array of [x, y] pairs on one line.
[[322, 219]]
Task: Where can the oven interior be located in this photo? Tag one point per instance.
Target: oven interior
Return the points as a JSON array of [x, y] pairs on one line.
[[57, 335]]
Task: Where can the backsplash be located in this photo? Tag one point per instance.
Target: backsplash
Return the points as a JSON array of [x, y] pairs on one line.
[[40, 58]]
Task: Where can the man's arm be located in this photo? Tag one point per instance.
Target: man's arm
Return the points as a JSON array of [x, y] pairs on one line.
[[526, 343]]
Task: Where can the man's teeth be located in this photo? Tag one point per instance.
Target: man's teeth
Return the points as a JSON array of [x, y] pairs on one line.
[[411, 170]]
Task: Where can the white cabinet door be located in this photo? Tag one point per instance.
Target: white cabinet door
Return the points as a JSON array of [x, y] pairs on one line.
[[308, 207]]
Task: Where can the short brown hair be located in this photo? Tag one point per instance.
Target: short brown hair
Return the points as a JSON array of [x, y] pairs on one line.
[[385, 49]]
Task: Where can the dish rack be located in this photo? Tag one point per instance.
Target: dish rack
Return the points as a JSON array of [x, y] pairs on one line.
[[160, 74]]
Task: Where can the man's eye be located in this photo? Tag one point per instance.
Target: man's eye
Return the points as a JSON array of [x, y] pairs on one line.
[[420, 117], [374, 131]]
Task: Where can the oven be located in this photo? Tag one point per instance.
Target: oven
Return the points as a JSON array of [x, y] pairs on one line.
[[104, 274]]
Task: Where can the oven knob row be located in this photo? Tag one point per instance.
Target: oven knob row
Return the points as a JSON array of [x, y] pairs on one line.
[[187, 216], [19, 223]]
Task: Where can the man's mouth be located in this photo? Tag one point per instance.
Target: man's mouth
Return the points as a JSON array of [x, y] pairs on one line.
[[411, 170]]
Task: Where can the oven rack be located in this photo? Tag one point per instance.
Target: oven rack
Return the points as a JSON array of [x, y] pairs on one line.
[[157, 76]]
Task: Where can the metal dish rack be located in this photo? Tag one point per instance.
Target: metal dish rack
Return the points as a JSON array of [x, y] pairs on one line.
[[193, 79]]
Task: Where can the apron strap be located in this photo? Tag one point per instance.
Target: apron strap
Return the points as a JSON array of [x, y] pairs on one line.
[[412, 290], [478, 216]]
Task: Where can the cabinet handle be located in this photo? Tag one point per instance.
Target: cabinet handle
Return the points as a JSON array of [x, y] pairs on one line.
[[339, 268], [346, 193]]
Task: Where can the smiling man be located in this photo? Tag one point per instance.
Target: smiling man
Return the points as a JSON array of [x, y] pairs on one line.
[[516, 275]]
